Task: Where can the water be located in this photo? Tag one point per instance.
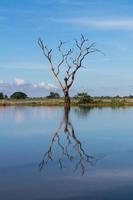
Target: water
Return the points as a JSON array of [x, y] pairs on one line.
[[47, 153]]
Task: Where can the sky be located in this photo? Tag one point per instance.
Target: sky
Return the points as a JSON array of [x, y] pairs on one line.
[[108, 23]]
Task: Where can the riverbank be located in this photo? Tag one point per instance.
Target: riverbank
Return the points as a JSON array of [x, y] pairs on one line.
[[96, 102]]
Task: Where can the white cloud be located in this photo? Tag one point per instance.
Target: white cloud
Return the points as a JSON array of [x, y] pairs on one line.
[[125, 24], [19, 84], [44, 85], [19, 81]]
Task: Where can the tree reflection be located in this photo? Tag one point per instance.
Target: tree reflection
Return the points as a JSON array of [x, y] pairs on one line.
[[70, 147], [82, 111]]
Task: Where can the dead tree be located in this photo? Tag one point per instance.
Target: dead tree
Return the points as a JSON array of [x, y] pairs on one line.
[[71, 59]]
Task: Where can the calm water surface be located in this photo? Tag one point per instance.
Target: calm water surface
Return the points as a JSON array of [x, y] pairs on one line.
[[47, 153]]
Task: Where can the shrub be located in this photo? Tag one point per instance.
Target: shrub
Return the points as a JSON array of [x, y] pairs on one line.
[[18, 95], [84, 98], [5, 97], [53, 95], [1, 95]]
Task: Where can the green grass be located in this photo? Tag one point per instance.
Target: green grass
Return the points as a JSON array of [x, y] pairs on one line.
[[96, 102]]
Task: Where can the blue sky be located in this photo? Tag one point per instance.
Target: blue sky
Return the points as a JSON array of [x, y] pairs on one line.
[[108, 23]]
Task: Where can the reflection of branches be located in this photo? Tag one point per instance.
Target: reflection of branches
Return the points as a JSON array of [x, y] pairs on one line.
[[71, 149], [48, 155]]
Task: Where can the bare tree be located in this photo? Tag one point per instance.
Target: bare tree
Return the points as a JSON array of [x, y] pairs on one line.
[[72, 59]]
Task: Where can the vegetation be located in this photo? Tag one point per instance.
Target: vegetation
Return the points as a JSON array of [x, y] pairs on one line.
[[53, 95], [2, 96], [83, 98], [54, 99], [95, 102], [18, 95]]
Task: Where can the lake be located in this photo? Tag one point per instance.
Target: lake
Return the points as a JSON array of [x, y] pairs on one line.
[[48, 153]]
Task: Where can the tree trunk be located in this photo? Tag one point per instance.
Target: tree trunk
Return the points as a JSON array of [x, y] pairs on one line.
[[67, 100], [66, 117]]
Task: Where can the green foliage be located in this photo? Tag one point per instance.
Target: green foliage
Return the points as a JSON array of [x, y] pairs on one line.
[[80, 95], [84, 98], [1, 95], [130, 96], [5, 97], [18, 95], [53, 95], [118, 101]]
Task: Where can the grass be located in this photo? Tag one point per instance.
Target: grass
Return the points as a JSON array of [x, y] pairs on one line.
[[96, 102]]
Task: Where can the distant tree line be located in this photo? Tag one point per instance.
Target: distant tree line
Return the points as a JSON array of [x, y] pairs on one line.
[[15, 95], [82, 97], [53, 95], [22, 95], [2, 96]]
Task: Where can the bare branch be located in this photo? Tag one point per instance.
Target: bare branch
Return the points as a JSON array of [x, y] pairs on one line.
[[63, 56], [48, 54], [73, 64], [83, 52]]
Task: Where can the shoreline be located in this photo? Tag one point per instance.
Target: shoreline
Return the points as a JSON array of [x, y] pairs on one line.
[[121, 102]]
